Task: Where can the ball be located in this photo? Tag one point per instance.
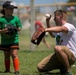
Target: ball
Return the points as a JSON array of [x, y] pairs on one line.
[[47, 15]]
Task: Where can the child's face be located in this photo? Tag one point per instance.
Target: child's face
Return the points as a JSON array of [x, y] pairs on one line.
[[9, 11]]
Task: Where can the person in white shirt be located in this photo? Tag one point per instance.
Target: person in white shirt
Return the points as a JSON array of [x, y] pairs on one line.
[[65, 53]]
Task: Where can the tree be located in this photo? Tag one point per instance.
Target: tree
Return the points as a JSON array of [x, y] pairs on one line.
[[71, 1]]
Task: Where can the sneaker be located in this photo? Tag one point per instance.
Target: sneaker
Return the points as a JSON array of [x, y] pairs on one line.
[[63, 71], [6, 71], [67, 73], [16, 72]]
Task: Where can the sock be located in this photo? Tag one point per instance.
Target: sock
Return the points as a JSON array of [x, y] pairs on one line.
[[7, 65], [16, 64]]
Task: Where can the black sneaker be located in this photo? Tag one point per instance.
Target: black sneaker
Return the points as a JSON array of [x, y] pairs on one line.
[[63, 71], [6, 71], [16, 72], [67, 73]]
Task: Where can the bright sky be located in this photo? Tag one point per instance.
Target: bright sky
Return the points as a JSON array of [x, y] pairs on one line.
[[27, 2]]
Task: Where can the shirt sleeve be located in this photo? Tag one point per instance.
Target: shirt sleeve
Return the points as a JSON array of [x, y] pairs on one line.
[[70, 27], [18, 23]]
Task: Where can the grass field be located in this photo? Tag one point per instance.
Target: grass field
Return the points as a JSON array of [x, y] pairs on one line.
[[29, 59]]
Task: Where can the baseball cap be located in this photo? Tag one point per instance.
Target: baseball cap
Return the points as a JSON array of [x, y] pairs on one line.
[[9, 4]]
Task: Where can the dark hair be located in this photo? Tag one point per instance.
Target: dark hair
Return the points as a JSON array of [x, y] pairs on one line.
[[2, 12]]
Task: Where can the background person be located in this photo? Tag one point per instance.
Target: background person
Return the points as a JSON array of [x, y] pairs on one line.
[[10, 43], [39, 24]]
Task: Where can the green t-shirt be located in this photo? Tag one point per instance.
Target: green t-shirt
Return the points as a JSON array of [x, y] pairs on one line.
[[9, 39]]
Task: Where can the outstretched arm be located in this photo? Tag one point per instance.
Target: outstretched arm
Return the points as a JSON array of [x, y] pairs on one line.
[[57, 29]]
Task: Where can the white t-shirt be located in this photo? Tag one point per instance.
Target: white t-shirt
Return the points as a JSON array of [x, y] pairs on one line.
[[69, 39]]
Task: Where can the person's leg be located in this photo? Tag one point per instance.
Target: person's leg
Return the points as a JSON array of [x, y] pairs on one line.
[[7, 61], [65, 56], [49, 63], [46, 43], [15, 59]]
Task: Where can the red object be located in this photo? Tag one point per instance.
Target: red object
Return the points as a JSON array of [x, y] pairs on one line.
[[38, 24]]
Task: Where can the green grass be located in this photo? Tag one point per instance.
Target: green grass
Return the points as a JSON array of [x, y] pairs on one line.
[[29, 59]]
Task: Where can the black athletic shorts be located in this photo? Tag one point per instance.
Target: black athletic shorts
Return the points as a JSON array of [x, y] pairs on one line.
[[9, 47]]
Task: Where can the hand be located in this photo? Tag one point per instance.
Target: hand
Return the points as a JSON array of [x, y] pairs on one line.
[[47, 22], [45, 30], [4, 30], [19, 29], [48, 18]]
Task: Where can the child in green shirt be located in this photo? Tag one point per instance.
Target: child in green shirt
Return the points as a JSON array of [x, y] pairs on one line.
[[10, 42]]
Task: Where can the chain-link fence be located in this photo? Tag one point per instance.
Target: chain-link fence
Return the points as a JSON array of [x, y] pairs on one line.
[[41, 9]]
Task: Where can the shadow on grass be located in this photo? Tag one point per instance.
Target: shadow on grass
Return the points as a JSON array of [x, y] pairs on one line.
[[48, 73], [1, 72], [28, 51]]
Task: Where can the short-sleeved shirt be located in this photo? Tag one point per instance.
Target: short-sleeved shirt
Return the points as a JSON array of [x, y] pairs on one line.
[[69, 39], [9, 39]]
